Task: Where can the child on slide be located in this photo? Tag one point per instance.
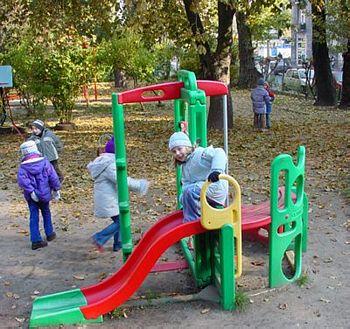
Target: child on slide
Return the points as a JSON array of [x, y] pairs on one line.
[[198, 165], [104, 173]]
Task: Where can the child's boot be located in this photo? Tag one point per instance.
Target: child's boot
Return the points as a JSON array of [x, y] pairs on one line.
[[51, 237], [40, 244]]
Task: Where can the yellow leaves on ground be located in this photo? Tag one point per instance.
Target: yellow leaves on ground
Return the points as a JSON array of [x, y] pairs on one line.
[[324, 132]]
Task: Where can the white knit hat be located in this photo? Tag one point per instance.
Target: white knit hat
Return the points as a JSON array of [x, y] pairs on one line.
[[39, 124], [29, 147], [179, 139]]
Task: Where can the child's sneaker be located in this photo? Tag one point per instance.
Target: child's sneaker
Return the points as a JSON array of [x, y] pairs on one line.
[[51, 237], [40, 244], [117, 247], [97, 246], [144, 185]]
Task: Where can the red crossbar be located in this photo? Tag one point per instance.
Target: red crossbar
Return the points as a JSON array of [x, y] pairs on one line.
[[168, 91]]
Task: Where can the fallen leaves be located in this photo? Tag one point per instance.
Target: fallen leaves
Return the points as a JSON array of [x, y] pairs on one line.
[[328, 260], [283, 306], [79, 276], [257, 262], [205, 310]]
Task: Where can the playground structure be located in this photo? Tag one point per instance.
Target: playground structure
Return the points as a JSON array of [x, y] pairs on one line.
[[6, 82], [217, 255]]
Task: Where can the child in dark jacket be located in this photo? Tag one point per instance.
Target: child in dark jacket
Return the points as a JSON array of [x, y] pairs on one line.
[[40, 183], [48, 143], [260, 100]]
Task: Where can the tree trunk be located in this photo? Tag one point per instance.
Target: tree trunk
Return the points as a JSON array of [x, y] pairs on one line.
[[215, 66], [323, 75], [204, 51], [345, 95], [119, 79], [222, 63], [248, 74]]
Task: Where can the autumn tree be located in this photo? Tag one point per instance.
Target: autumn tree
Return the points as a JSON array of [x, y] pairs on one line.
[[325, 89], [338, 29]]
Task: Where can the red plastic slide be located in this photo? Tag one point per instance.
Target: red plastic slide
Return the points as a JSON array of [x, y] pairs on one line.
[[116, 289]]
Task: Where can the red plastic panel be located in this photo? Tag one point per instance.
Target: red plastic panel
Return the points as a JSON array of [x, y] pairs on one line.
[[169, 90], [212, 88], [170, 266], [113, 291], [257, 216]]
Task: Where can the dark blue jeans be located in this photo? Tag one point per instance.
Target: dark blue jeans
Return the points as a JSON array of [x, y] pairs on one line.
[[111, 230], [190, 200], [34, 208], [268, 120]]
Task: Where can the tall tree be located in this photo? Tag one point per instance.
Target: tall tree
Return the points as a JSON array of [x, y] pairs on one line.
[[345, 96], [215, 63], [207, 25], [325, 88], [248, 73], [256, 19], [338, 30]]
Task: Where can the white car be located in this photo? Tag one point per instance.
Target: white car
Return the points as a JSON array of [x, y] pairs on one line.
[[296, 80]]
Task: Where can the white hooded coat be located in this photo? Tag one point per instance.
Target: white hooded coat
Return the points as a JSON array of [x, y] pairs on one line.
[[104, 173]]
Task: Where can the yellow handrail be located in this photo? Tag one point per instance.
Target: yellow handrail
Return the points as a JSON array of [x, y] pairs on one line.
[[213, 219]]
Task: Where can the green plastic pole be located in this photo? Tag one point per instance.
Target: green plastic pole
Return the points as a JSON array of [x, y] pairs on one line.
[[121, 163], [227, 287], [192, 106]]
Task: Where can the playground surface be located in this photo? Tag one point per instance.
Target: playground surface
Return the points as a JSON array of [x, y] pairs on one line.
[[70, 261]]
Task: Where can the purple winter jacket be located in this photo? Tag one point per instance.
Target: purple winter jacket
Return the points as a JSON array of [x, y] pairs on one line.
[[260, 98], [38, 175]]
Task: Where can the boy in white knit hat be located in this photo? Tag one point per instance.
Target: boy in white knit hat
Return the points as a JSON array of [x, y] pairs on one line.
[[49, 144]]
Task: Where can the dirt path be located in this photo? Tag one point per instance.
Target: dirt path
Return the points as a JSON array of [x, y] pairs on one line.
[[70, 262]]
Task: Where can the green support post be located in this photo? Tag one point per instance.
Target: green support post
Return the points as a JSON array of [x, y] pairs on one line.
[[288, 225], [122, 175], [227, 252], [192, 108]]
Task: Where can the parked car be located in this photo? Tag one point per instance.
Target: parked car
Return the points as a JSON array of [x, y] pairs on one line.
[[296, 80]]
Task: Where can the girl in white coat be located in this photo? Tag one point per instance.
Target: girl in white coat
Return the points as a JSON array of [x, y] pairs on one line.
[[104, 173]]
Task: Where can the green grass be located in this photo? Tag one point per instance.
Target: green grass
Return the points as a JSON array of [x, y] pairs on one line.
[[303, 280], [150, 295], [242, 301], [117, 313]]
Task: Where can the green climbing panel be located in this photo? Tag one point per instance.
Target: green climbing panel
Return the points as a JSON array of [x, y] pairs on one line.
[[288, 229]]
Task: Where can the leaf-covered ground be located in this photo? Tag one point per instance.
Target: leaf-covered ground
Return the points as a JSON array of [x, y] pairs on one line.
[[323, 131]]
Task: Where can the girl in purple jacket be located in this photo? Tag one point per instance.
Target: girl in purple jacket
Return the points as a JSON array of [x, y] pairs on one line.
[[40, 183]]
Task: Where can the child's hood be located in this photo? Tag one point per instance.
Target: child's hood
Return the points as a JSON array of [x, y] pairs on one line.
[[34, 166], [97, 166]]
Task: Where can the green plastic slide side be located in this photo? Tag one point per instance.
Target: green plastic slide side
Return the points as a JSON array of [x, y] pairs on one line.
[[60, 308]]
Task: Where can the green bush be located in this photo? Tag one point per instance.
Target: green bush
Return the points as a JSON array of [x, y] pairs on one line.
[[53, 69]]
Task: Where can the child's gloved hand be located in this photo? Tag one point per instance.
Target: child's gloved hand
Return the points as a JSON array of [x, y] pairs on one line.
[[34, 197], [56, 195], [214, 176], [144, 185]]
